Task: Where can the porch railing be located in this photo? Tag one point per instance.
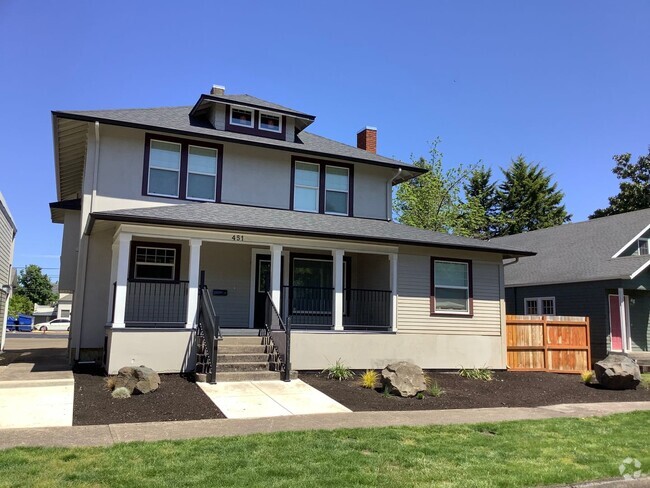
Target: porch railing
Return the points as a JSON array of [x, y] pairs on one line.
[[208, 335], [279, 335], [366, 309], [160, 303], [311, 308]]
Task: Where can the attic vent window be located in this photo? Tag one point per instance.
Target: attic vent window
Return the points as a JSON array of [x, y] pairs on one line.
[[643, 247], [270, 122], [241, 117]]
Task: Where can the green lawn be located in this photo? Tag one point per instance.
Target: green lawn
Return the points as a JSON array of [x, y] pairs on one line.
[[528, 453]]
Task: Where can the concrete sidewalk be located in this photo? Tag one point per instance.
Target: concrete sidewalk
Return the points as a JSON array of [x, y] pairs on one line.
[[106, 435]]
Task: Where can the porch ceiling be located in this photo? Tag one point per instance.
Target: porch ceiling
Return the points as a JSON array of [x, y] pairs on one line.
[[285, 222]]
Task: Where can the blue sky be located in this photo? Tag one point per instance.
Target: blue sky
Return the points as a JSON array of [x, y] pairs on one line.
[[563, 83]]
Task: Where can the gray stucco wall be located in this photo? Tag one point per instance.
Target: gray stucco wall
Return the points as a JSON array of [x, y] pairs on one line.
[[69, 250], [590, 299]]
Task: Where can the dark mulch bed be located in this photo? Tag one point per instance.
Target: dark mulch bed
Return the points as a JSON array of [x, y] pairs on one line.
[[507, 389], [177, 398]]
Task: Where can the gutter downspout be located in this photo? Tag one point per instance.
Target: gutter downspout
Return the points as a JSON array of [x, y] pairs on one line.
[[93, 194], [389, 194]]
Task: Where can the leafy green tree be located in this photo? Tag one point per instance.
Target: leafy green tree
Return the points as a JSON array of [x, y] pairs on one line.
[[20, 304], [432, 200], [528, 200], [634, 194], [480, 215], [35, 285]]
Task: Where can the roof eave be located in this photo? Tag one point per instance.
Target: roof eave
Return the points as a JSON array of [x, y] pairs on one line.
[[507, 253]]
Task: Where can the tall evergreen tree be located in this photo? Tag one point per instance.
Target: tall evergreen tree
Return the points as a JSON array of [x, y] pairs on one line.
[[480, 214], [528, 200], [634, 194], [432, 200]]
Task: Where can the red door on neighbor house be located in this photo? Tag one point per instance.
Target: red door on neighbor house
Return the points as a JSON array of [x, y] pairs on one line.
[[615, 323]]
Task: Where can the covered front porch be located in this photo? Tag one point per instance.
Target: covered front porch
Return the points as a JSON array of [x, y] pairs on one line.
[[156, 276]]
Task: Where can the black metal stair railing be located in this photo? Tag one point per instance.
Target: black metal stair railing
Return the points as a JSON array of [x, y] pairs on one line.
[[278, 336], [208, 335]]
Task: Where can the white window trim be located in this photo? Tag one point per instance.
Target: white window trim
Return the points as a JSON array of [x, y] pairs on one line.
[[216, 169], [347, 193], [647, 243], [178, 171], [317, 187], [244, 109], [540, 307], [467, 311], [172, 265], [259, 122]]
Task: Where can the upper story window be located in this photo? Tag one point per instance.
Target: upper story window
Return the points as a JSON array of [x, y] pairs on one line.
[[451, 287], [164, 168], [539, 306], [242, 117], [181, 169], [270, 122], [320, 187], [644, 247]]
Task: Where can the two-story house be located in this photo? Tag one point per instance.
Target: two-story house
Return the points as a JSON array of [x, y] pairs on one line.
[[7, 273], [233, 195]]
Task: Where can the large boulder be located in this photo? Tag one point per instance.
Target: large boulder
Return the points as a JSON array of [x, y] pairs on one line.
[[618, 372], [403, 379], [138, 380]]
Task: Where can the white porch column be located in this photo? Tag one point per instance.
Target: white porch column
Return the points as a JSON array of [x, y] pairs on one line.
[[276, 271], [193, 285], [121, 248], [623, 315], [393, 291], [337, 279]]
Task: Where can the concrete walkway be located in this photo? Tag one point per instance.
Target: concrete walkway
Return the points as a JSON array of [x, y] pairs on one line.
[[255, 399], [36, 384], [106, 435]]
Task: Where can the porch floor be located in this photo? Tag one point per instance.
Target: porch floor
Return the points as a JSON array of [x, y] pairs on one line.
[[255, 399]]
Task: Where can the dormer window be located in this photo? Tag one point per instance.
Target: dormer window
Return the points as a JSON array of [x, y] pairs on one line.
[[270, 122], [644, 247], [242, 117]]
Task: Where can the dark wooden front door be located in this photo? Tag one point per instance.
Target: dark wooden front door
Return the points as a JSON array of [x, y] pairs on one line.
[[262, 286]]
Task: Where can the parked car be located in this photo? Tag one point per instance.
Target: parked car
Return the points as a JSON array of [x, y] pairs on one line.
[[56, 324]]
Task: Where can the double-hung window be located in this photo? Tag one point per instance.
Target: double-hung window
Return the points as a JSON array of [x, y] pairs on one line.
[[337, 187], [320, 187], [452, 287], [202, 173], [154, 263], [164, 168], [306, 190], [539, 306], [176, 168]]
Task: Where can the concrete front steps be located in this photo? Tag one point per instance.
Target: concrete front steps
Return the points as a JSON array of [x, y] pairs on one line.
[[245, 358]]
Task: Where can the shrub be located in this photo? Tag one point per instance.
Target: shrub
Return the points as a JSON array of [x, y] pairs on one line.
[[338, 371], [369, 379], [420, 396], [434, 389], [109, 383], [121, 392], [482, 374], [587, 376], [386, 392], [645, 381]]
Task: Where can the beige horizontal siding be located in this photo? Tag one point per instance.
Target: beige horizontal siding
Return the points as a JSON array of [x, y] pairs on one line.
[[413, 302]]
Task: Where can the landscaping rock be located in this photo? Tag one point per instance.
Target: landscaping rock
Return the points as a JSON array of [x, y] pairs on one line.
[[618, 372], [403, 379], [138, 380]]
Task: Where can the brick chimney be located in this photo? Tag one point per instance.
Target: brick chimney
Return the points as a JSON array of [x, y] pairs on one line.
[[217, 90], [367, 139]]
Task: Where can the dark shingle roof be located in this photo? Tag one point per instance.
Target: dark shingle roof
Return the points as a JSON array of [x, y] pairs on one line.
[[577, 252], [277, 221], [178, 120]]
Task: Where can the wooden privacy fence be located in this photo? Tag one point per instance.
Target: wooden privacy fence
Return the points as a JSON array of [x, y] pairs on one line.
[[548, 343]]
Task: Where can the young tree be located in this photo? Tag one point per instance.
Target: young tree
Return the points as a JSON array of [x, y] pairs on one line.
[[431, 201], [20, 304], [634, 194], [480, 216], [35, 285], [528, 200]]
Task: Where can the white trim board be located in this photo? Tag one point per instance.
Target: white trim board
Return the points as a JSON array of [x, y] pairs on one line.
[[636, 238]]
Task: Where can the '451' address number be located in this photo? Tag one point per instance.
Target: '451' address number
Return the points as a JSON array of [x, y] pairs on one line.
[[237, 237]]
